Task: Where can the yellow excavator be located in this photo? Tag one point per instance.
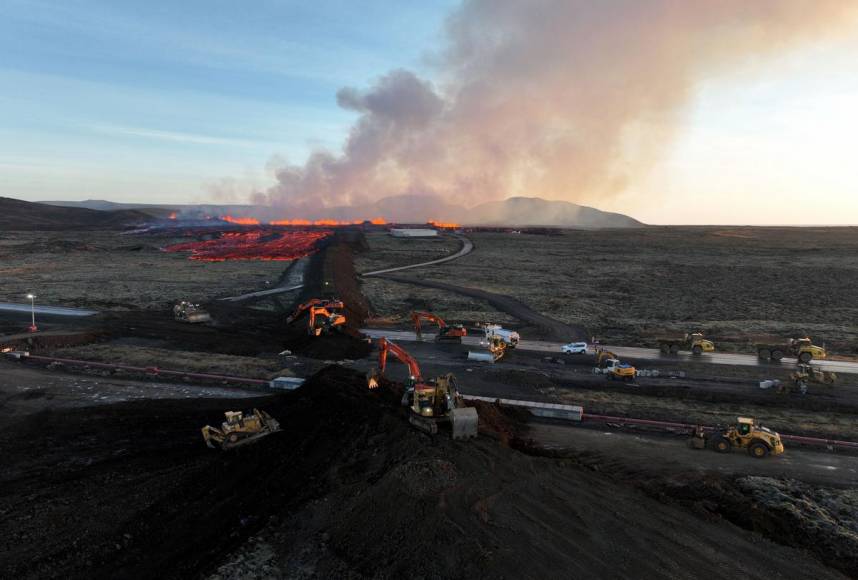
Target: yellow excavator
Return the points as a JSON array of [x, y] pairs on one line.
[[430, 402], [240, 429]]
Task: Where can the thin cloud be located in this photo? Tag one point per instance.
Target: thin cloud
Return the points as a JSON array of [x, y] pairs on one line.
[[174, 136]]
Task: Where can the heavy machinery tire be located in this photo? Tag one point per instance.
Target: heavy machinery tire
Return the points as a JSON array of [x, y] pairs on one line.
[[764, 353], [723, 445], [674, 349], [805, 357], [697, 350], [777, 355], [233, 438], [758, 450]]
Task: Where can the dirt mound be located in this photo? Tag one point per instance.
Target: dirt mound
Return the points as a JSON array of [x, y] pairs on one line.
[[348, 489]]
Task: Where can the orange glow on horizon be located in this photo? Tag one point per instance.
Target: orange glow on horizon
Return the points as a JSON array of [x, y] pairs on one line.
[[444, 225], [379, 221], [242, 221]]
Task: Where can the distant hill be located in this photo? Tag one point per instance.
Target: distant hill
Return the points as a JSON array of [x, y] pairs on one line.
[[18, 215], [534, 211], [416, 208]]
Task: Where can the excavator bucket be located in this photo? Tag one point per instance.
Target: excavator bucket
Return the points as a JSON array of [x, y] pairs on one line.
[[372, 379], [465, 422]]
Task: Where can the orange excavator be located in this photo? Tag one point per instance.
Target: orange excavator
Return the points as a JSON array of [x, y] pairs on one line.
[[323, 315], [446, 332], [430, 402]]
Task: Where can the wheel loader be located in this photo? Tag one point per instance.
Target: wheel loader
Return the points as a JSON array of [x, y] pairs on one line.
[[240, 429], [748, 434]]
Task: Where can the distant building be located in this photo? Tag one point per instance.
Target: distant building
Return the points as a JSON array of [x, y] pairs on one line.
[[413, 233]]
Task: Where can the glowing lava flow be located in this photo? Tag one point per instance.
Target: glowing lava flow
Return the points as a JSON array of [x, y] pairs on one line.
[[444, 225], [242, 221], [379, 221], [258, 244]]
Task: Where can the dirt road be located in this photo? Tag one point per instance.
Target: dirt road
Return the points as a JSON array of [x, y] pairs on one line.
[[551, 328], [466, 248], [666, 453]]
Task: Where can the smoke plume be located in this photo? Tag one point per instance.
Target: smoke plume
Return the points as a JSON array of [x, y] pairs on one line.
[[562, 99]]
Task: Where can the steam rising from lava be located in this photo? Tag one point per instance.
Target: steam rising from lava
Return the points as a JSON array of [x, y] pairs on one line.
[[562, 99]]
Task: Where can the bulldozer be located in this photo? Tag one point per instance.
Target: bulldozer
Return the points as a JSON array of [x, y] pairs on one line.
[[323, 315], [240, 429], [430, 402], [446, 332], [748, 434], [185, 311], [497, 348]]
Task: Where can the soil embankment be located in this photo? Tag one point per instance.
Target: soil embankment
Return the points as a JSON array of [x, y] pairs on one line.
[[348, 489]]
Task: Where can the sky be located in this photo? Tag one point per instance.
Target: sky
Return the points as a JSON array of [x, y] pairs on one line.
[[200, 101]]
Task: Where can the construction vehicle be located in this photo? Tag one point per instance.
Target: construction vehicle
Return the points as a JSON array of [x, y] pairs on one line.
[[240, 429], [693, 341], [430, 402], [189, 312], [804, 375], [801, 348], [323, 315], [510, 337], [748, 434], [496, 350], [608, 364], [446, 332]]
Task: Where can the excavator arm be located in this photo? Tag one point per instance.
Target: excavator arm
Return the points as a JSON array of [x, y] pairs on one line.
[[386, 347], [445, 332], [417, 316]]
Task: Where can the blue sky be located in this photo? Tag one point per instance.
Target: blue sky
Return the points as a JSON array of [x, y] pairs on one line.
[[195, 101], [126, 100]]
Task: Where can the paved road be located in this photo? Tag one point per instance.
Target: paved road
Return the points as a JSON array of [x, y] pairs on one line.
[[262, 293], [467, 248], [52, 310], [636, 353]]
